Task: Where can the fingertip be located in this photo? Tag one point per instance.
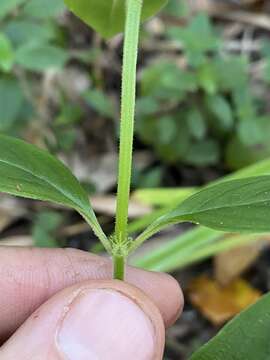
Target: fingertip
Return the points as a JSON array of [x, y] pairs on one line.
[[164, 290]]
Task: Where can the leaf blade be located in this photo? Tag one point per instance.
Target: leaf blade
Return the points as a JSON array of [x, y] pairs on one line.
[[241, 205], [245, 337], [30, 172]]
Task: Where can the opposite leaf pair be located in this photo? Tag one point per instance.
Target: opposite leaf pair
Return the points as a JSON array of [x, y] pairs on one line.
[[236, 205]]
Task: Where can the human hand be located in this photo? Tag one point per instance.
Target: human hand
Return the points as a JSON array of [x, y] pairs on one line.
[[58, 304]]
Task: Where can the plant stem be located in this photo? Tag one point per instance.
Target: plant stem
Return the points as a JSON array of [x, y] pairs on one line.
[[132, 28], [119, 267]]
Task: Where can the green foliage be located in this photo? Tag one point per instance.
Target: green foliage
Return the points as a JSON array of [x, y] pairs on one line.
[[38, 57], [33, 173], [107, 17], [6, 54], [245, 337], [196, 244], [30, 42], [232, 206], [100, 102], [11, 102], [42, 9], [44, 229], [196, 47], [27, 31], [7, 6], [212, 112]]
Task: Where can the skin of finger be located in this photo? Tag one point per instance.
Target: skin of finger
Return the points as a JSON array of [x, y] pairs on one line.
[[30, 276], [35, 339]]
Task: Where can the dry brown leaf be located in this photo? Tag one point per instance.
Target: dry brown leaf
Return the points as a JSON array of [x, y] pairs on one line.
[[19, 240], [5, 220], [233, 263], [219, 304], [226, 10], [10, 210]]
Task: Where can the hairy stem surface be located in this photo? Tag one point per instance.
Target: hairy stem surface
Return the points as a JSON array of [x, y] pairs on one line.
[[132, 28]]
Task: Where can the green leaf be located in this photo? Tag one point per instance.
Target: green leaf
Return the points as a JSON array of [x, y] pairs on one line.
[[207, 78], [250, 132], [267, 71], [6, 54], [246, 337], [166, 80], [44, 229], [196, 124], [11, 101], [100, 102], [43, 8], [166, 129], [196, 47], [232, 72], [246, 107], [25, 31], [195, 244], [38, 57], [203, 153], [33, 173], [242, 149], [221, 109], [7, 6], [177, 9], [107, 17], [233, 206]]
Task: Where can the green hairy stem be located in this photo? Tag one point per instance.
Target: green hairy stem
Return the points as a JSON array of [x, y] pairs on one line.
[[132, 28]]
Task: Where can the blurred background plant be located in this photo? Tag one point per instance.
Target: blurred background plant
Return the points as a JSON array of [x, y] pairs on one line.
[[202, 114]]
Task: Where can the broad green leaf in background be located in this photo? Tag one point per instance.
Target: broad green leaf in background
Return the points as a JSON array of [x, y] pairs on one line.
[[165, 79], [44, 230], [26, 31], [207, 78], [43, 8], [11, 101], [196, 46], [30, 172], [246, 107], [39, 57], [196, 124], [107, 17], [7, 6], [250, 132], [100, 102], [242, 150], [267, 71], [233, 206], [202, 153], [222, 111], [266, 53], [232, 72], [246, 337], [6, 53], [177, 8]]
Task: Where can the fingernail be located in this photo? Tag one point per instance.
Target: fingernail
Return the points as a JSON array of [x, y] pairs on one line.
[[104, 324]]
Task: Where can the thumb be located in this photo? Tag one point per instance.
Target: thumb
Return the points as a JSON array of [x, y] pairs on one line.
[[97, 320]]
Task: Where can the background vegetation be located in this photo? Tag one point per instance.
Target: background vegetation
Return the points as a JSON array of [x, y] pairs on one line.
[[202, 113]]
